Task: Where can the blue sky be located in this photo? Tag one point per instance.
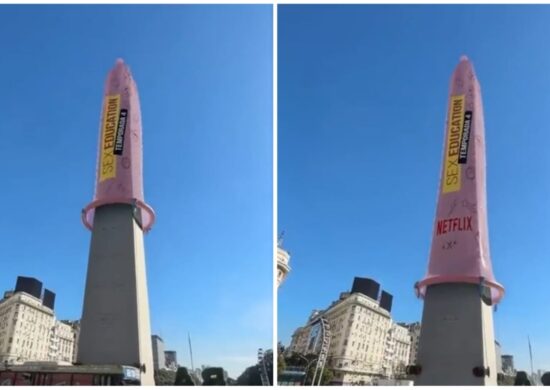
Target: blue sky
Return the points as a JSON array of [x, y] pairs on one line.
[[362, 104], [204, 75]]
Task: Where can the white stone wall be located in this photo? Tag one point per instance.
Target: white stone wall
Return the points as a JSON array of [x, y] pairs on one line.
[[498, 353], [159, 361], [29, 332], [25, 326], [283, 266], [299, 341], [402, 341], [359, 329], [414, 332], [65, 341]]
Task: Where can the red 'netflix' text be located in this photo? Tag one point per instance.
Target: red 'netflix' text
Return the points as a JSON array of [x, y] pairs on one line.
[[454, 225]]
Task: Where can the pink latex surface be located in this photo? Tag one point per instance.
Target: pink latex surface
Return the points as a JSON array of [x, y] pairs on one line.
[[127, 185], [460, 244]]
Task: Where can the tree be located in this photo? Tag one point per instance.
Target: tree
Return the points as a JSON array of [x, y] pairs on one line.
[[400, 371], [326, 376], [299, 360], [165, 378], [522, 379], [281, 364], [231, 382], [250, 377], [505, 380], [183, 378]]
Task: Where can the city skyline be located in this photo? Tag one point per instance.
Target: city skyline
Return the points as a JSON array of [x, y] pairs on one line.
[[359, 200], [207, 152]]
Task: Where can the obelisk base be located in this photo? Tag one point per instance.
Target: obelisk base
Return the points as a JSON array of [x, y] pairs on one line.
[[115, 326], [456, 336]]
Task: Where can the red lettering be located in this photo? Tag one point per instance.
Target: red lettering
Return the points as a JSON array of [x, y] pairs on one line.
[[453, 224]]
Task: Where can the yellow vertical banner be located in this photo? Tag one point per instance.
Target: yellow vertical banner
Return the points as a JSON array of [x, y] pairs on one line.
[[455, 124], [107, 164]]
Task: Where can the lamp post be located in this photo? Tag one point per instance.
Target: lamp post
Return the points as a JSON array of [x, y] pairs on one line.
[[302, 357]]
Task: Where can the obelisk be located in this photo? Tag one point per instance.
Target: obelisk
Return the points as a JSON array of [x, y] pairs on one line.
[[115, 325], [457, 344]]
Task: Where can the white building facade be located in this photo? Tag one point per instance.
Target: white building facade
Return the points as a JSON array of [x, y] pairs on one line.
[[508, 364], [171, 360], [498, 352], [414, 333], [29, 331], [159, 359], [359, 330], [283, 265], [398, 349], [63, 341]]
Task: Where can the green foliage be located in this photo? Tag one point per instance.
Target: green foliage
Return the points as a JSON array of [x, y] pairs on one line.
[[183, 378], [522, 379], [250, 377], [298, 360], [326, 376], [165, 378], [231, 382], [281, 364], [505, 380]]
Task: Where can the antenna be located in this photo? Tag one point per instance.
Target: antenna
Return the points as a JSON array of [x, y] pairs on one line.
[[531, 358], [190, 352]]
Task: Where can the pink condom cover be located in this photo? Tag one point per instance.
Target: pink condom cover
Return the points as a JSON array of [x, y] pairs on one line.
[[460, 244], [119, 176]]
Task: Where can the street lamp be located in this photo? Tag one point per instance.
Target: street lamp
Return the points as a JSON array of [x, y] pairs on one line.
[[308, 363], [302, 356]]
